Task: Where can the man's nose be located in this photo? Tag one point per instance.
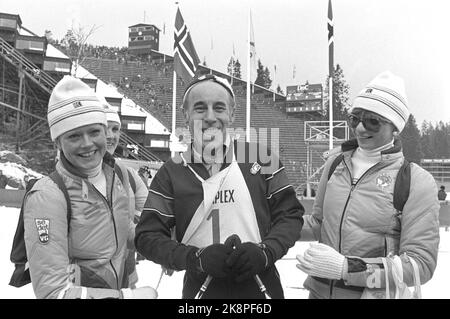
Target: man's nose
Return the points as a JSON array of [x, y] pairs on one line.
[[210, 115]]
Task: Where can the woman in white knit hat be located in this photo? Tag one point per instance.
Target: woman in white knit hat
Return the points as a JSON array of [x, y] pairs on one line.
[[138, 192], [356, 216], [81, 255]]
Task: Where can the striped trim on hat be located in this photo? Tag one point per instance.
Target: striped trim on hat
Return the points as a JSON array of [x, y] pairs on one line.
[[78, 100], [386, 96], [385, 101], [73, 104]]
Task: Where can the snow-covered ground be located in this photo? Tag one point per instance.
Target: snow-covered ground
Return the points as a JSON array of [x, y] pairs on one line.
[[170, 287]]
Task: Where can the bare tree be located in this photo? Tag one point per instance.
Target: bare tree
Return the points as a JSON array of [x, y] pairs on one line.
[[76, 38]]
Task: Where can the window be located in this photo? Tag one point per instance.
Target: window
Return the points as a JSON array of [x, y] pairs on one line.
[[159, 143], [29, 45], [133, 30], [133, 125], [8, 23], [56, 66]]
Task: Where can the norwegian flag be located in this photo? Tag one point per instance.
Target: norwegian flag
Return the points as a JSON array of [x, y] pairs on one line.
[[330, 40], [185, 56]]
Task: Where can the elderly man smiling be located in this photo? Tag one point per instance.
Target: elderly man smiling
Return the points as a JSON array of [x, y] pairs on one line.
[[232, 219]]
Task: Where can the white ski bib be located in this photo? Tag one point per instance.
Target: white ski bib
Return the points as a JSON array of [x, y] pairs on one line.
[[226, 209]]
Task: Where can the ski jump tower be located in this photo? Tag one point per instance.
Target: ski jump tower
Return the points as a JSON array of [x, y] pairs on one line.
[[317, 137]]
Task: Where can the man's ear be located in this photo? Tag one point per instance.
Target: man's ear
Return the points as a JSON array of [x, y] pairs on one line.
[[186, 115], [232, 112]]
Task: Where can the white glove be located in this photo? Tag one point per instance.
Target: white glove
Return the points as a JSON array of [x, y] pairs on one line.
[[321, 261], [139, 293]]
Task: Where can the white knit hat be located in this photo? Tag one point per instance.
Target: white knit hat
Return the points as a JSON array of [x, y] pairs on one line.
[[73, 104], [111, 114], [386, 96]]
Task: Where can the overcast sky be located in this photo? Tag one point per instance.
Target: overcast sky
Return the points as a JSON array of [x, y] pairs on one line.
[[408, 37]]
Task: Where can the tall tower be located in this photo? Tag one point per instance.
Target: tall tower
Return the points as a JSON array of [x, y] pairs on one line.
[[142, 38]]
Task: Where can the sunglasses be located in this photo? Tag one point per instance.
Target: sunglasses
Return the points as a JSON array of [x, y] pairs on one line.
[[370, 122]]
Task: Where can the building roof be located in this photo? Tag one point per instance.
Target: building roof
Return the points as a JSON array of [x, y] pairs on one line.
[[144, 25], [10, 15]]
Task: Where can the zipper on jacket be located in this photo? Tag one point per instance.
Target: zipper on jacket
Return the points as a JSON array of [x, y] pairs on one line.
[[114, 224], [353, 186]]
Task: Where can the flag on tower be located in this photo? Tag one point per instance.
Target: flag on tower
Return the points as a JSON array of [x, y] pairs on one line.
[[185, 57], [330, 40]]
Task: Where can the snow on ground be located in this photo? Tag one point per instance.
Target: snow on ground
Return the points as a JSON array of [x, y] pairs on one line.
[[170, 287], [17, 172]]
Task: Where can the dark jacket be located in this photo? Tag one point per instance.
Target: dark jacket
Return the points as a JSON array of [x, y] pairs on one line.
[[174, 197]]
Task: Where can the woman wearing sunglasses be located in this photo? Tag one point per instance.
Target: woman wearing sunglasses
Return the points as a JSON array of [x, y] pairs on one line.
[[354, 217]]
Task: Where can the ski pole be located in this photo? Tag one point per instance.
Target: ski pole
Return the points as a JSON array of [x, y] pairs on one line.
[[160, 277], [262, 288], [203, 288]]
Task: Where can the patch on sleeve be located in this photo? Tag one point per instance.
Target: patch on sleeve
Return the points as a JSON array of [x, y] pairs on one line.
[[255, 168], [43, 228]]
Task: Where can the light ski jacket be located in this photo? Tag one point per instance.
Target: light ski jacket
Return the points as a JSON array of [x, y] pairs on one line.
[[86, 259], [138, 196], [361, 222]]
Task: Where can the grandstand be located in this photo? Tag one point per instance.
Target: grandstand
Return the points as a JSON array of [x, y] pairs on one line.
[[150, 85], [30, 67], [142, 84]]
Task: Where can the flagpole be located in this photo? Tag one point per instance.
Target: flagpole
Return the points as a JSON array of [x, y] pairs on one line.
[[247, 118], [174, 111], [330, 103], [330, 27]]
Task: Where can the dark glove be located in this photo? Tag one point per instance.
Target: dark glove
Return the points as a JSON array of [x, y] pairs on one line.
[[233, 241], [247, 260], [210, 260]]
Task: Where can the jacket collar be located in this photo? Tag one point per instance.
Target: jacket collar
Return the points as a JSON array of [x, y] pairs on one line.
[[352, 145], [108, 160]]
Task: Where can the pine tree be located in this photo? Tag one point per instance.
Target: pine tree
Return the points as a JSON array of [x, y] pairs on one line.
[[279, 90], [263, 79], [441, 141], [230, 67], [410, 137], [426, 144], [340, 96], [234, 68], [237, 69]]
